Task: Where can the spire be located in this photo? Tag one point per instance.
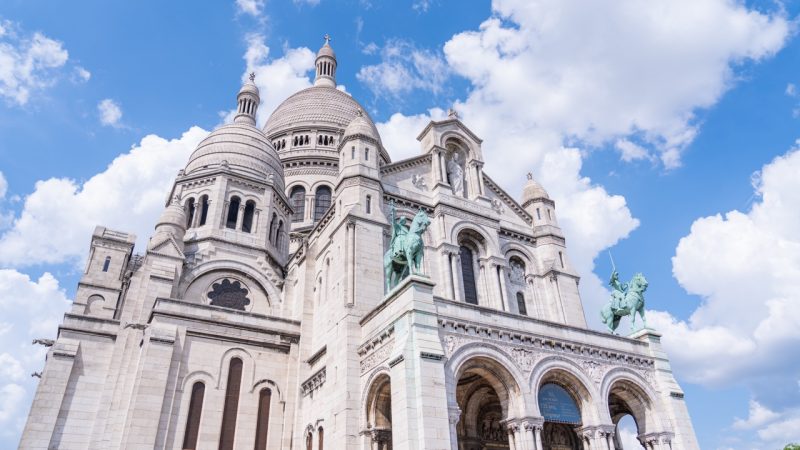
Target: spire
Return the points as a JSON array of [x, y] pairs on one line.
[[247, 101], [326, 65]]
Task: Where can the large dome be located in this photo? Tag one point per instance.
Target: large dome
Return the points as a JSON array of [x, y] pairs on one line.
[[314, 107], [239, 146]]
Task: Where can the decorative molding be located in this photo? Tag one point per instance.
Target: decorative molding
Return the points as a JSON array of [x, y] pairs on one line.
[[396, 361], [431, 356], [316, 356], [404, 164], [314, 382]]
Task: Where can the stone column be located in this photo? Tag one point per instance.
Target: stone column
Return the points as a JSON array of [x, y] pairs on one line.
[[512, 442], [530, 290], [481, 188], [530, 426], [457, 277], [310, 210], [504, 301], [437, 166], [447, 274], [537, 432], [240, 217], [351, 276], [254, 226], [198, 211], [443, 168]]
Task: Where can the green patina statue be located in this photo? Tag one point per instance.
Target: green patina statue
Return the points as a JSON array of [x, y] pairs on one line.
[[627, 299], [405, 248]]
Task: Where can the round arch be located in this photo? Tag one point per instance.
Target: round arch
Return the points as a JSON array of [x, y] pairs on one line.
[[470, 228], [623, 391], [567, 374], [505, 376], [202, 271]]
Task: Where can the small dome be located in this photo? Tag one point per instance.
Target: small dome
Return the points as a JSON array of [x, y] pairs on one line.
[[326, 50], [361, 126], [173, 215], [240, 147], [249, 87], [533, 190]]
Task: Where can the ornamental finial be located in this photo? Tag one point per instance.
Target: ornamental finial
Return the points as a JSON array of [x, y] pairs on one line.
[[327, 38], [530, 175], [252, 76], [452, 113]]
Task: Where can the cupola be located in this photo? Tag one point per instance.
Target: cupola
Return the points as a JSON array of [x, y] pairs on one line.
[[247, 102], [326, 65]]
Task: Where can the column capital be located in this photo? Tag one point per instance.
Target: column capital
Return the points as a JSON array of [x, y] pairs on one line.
[[533, 423]]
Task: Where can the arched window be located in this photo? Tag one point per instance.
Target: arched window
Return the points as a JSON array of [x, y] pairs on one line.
[[366, 154], [203, 209], [262, 425], [298, 199], [233, 212], [193, 418], [279, 236], [190, 207], [320, 438], [306, 140], [106, 263], [247, 219], [468, 275], [521, 304], [369, 204], [272, 223], [319, 139], [231, 405], [353, 152], [309, 440], [323, 201]]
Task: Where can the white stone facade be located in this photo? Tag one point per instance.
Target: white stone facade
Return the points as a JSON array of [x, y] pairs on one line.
[[257, 317]]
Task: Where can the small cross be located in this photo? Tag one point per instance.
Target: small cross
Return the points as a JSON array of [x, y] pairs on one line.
[[327, 38], [530, 176], [252, 76], [452, 113]]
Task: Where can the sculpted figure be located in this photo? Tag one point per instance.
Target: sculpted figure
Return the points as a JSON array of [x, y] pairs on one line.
[[455, 174], [627, 299], [405, 248]]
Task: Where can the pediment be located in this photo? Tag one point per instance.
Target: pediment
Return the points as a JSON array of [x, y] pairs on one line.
[[166, 246]]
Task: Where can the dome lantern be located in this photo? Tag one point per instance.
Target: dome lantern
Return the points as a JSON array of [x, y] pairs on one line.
[[247, 102], [326, 65]]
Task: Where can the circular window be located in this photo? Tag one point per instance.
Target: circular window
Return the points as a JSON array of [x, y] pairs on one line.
[[228, 293]]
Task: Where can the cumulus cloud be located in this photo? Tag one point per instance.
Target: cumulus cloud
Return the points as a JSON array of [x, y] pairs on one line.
[[404, 68], [30, 309], [276, 78], [110, 112], [28, 63], [745, 266], [3, 186], [58, 217], [251, 7], [81, 75]]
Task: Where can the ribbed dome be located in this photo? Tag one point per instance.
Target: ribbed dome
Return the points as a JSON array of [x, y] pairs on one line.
[[241, 147], [533, 190], [361, 126], [313, 107], [173, 215], [250, 87], [326, 50]]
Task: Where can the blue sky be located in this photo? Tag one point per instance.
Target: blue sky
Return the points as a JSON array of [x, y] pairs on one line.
[[665, 130]]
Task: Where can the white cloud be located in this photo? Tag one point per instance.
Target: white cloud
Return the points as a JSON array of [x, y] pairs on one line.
[[33, 309], [81, 75], [110, 112], [404, 68], [421, 6], [629, 151], [791, 90], [58, 217], [746, 268], [3, 186], [758, 416], [28, 63], [276, 78], [636, 67], [252, 7], [306, 2]]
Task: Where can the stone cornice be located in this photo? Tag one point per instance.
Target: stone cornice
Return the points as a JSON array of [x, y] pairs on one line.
[[403, 164], [509, 201], [314, 382]]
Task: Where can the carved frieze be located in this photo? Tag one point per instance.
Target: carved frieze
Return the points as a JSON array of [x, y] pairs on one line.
[[314, 382]]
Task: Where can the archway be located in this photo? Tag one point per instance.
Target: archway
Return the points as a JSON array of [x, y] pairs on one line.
[[631, 413], [566, 404], [485, 392], [379, 413]]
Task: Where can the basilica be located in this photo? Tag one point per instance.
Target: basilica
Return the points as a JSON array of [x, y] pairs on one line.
[[260, 316]]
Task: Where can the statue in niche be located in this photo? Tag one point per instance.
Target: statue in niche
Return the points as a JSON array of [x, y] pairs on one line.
[[517, 272], [455, 174]]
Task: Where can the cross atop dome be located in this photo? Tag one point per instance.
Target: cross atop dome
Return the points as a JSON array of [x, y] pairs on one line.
[[327, 38], [252, 76]]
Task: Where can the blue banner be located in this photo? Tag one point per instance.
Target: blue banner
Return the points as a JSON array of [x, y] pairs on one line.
[[556, 405]]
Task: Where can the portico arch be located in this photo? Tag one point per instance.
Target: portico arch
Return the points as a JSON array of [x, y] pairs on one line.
[[378, 412], [485, 386], [626, 392]]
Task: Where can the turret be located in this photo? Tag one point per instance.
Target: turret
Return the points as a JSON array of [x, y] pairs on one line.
[[359, 156], [172, 223], [538, 204]]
